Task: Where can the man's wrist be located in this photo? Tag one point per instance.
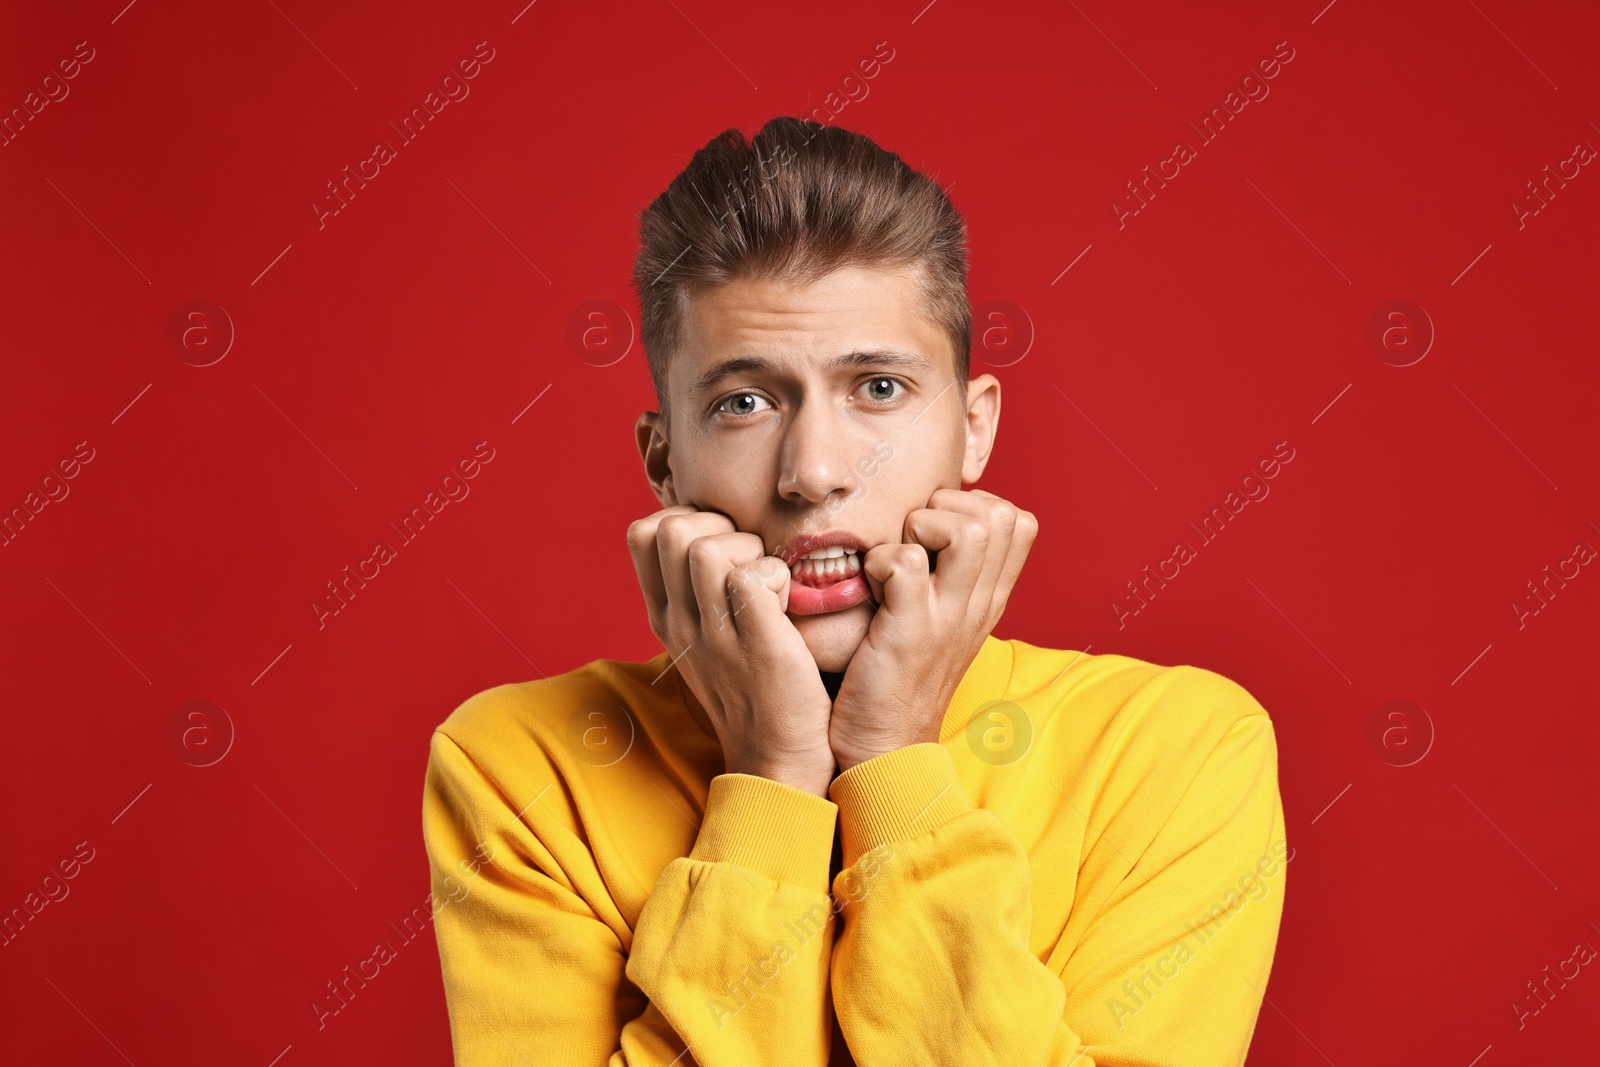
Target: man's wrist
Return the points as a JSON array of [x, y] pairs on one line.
[[847, 760], [808, 782], [813, 780]]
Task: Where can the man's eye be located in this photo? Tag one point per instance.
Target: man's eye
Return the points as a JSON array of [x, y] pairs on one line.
[[877, 394], [738, 404]]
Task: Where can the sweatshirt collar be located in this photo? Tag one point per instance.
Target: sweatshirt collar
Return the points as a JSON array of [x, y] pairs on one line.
[[987, 679]]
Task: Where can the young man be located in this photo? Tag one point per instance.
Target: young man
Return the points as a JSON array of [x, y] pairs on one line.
[[836, 820]]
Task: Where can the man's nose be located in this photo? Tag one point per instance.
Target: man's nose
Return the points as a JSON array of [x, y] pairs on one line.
[[817, 457]]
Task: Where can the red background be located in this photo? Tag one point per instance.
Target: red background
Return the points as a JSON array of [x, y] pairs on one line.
[[373, 353]]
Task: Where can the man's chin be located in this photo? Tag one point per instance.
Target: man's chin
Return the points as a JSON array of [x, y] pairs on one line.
[[834, 636]]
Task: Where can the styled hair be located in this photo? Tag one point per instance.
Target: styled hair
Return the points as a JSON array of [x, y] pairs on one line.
[[799, 201]]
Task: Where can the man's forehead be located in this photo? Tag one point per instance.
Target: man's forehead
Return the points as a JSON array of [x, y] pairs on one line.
[[771, 324]]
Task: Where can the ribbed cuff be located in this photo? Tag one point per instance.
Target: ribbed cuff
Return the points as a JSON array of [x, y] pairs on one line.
[[769, 827], [897, 796]]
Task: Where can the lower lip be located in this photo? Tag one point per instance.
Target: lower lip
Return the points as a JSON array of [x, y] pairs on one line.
[[811, 600]]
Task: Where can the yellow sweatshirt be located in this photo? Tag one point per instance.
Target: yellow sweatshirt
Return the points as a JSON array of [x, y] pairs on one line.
[[1087, 869]]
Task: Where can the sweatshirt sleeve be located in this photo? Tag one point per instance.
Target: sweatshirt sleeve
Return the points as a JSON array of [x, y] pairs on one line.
[[728, 964], [933, 965]]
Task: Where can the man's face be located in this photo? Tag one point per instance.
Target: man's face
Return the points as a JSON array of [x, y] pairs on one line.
[[810, 443]]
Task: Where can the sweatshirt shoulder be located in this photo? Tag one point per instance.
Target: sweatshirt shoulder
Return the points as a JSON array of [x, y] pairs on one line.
[[551, 720], [1127, 698], [1143, 738]]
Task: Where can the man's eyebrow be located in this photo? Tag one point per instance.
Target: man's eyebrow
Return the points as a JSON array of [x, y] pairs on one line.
[[872, 357]]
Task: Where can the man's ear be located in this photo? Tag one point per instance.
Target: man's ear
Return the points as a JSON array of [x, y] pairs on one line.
[[983, 422], [650, 435]]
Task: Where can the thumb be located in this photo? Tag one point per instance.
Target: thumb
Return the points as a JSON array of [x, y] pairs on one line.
[[874, 583], [775, 576]]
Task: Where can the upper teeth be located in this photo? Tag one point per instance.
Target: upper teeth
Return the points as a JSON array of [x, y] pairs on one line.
[[837, 561]]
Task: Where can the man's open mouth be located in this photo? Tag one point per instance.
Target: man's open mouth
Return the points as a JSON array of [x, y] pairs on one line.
[[825, 572], [826, 566]]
